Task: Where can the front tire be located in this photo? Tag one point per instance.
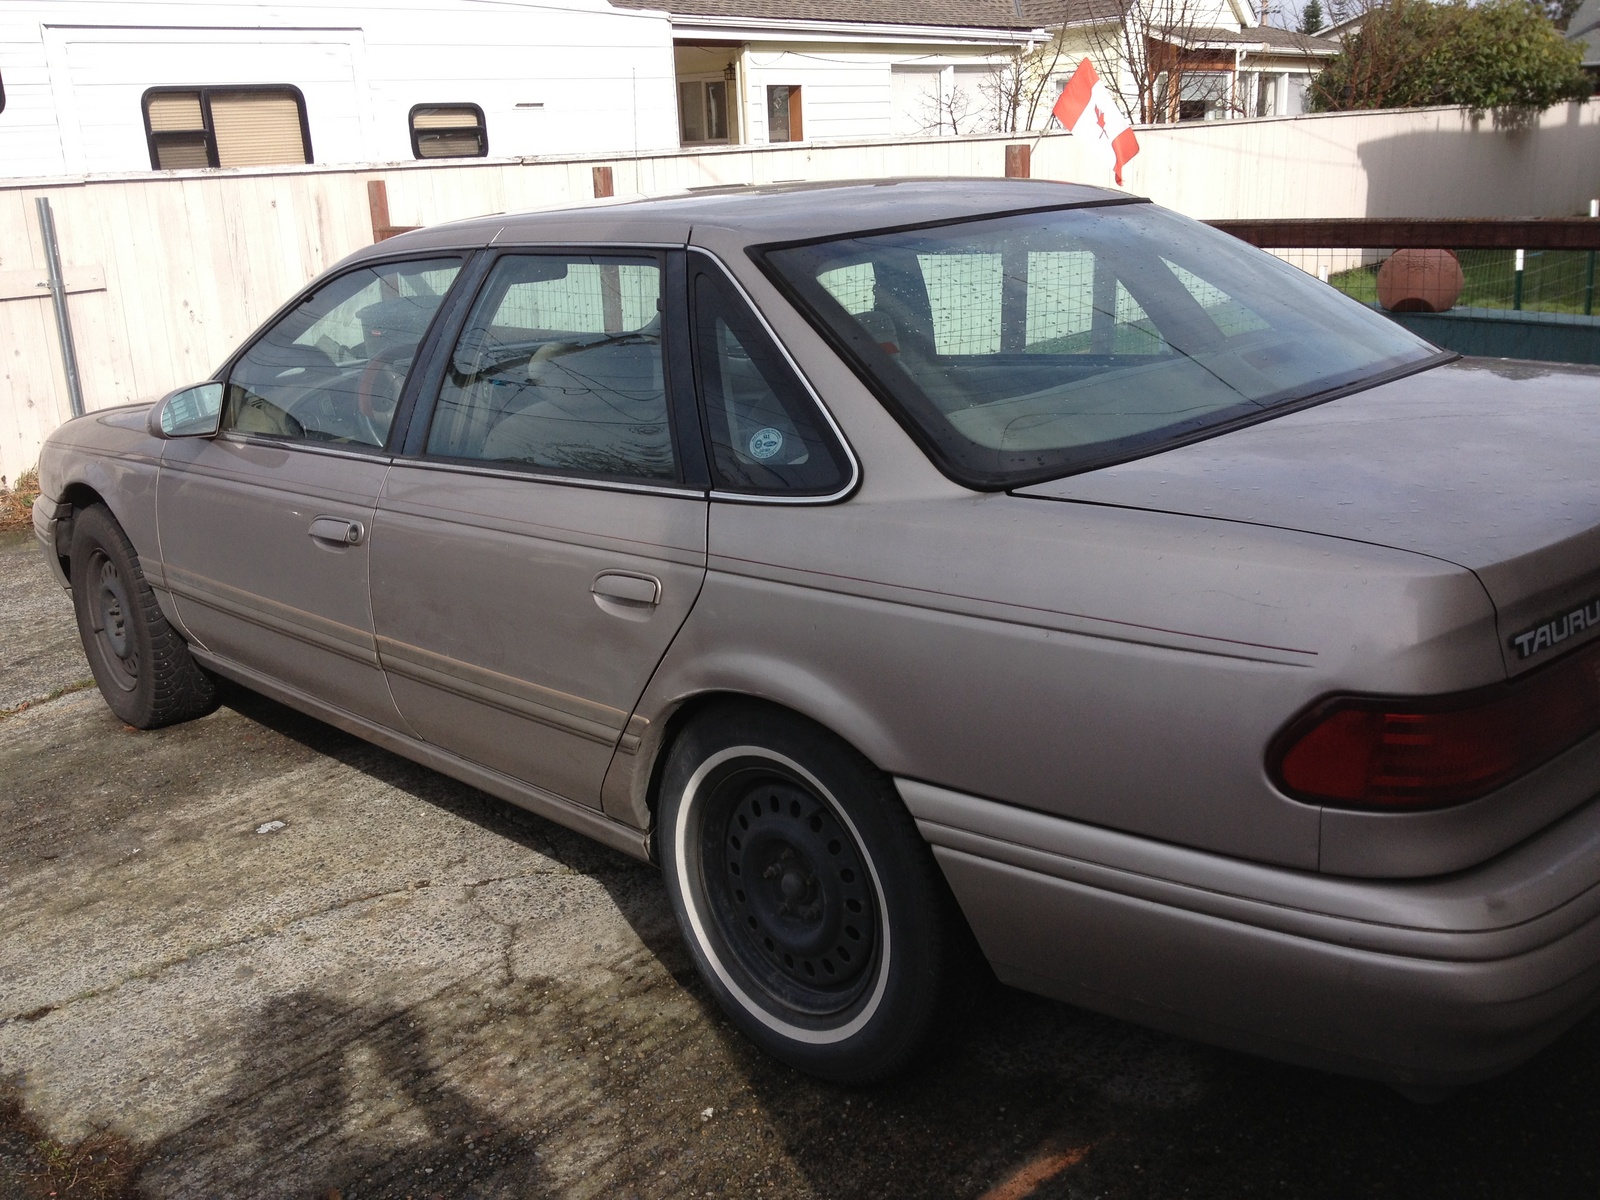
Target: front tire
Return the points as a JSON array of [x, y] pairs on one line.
[[143, 668], [812, 907]]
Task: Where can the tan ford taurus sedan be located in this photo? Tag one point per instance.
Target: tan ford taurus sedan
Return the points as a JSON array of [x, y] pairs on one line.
[[913, 567]]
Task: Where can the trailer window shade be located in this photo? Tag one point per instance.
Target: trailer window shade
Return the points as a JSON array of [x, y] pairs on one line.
[[448, 131], [180, 151], [255, 129], [175, 112], [226, 127]]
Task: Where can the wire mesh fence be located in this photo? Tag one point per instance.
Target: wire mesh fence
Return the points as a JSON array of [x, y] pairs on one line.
[[1544, 281], [1484, 267]]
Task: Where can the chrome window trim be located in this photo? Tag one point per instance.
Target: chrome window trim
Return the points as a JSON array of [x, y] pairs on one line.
[[371, 454], [608, 485], [584, 244], [854, 480]]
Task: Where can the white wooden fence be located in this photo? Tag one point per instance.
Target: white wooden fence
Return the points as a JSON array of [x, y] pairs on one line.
[[167, 272]]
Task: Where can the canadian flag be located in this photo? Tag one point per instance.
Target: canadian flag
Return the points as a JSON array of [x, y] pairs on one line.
[[1086, 110]]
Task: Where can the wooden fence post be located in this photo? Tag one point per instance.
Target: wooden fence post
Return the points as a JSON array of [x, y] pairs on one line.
[[603, 185], [378, 203], [1019, 160]]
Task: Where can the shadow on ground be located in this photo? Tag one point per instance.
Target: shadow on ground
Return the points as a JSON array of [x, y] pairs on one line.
[[624, 1081]]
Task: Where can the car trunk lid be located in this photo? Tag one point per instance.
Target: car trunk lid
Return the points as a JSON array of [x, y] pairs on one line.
[[1489, 464]]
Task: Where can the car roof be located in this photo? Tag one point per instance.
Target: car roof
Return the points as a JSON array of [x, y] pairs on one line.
[[773, 212]]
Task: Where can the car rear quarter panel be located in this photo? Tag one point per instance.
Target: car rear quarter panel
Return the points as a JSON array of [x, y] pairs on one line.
[[1119, 667], [1122, 669]]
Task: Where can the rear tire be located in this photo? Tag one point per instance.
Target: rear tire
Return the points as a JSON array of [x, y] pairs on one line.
[[811, 905], [142, 666]]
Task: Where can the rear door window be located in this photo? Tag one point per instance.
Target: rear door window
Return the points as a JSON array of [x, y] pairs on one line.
[[560, 368]]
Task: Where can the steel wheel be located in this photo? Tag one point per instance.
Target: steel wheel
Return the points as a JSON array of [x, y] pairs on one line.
[[143, 668], [812, 907], [791, 893]]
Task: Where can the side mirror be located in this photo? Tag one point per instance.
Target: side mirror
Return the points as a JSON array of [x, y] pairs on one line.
[[188, 412]]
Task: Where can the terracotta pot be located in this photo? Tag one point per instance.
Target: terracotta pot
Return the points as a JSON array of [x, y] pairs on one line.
[[1420, 281]]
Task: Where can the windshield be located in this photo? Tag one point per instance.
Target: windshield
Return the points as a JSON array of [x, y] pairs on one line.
[[1025, 347]]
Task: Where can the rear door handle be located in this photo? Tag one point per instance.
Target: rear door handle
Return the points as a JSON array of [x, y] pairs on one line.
[[337, 530], [627, 587]]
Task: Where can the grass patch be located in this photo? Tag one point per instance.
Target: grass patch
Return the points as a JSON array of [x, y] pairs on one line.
[[16, 501], [34, 1167], [64, 690], [1552, 281]]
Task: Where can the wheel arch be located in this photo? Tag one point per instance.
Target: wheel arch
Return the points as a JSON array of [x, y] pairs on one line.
[[633, 790], [130, 497], [78, 495]]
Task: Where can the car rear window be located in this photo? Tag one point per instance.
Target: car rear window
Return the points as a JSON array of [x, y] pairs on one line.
[[1035, 345]]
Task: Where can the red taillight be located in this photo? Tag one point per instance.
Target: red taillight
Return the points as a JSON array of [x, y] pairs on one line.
[[1425, 753]]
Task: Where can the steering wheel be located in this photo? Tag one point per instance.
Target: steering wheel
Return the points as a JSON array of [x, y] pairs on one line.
[[378, 391]]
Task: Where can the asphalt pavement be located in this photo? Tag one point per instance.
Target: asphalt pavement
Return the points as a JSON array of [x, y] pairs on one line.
[[253, 956]]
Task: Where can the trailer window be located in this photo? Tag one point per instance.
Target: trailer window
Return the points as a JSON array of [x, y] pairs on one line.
[[226, 127], [448, 131]]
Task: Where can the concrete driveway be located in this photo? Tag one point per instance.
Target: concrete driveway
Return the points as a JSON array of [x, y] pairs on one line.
[[252, 956]]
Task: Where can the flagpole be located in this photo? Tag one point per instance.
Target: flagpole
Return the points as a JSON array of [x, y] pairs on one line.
[[1042, 132]]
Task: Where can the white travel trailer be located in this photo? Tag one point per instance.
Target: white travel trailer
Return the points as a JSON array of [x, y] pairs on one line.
[[94, 86]]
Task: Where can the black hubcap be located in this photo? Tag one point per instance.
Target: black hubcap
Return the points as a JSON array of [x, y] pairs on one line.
[[790, 890], [111, 612]]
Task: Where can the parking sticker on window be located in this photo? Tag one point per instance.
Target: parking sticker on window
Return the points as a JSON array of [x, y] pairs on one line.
[[764, 443]]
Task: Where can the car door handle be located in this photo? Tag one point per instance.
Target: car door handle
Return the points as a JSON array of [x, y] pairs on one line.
[[627, 587], [337, 530]]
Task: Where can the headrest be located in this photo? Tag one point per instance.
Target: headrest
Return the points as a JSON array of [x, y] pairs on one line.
[[400, 319]]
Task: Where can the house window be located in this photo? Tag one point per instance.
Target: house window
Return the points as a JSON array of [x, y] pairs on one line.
[[783, 114], [1204, 96], [703, 110], [225, 127], [448, 131]]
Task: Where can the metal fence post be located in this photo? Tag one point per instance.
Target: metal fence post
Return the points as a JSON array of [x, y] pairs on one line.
[[1516, 282], [58, 297], [1588, 285]]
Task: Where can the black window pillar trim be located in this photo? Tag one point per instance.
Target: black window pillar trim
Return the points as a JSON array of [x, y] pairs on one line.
[[408, 433], [688, 420]]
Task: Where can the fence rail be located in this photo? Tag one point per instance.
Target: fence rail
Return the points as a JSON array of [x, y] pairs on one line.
[[1480, 233]]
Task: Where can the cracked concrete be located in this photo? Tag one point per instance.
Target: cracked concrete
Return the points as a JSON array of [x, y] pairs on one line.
[[271, 960], [39, 650]]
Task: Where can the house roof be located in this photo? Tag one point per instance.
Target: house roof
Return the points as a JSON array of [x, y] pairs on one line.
[[1010, 15], [1287, 40], [957, 14]]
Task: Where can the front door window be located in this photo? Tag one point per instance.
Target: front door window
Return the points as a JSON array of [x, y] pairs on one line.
[[560, 369], [333, 369]]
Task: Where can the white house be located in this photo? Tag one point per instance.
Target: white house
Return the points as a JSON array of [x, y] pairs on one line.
[[780, 70]]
